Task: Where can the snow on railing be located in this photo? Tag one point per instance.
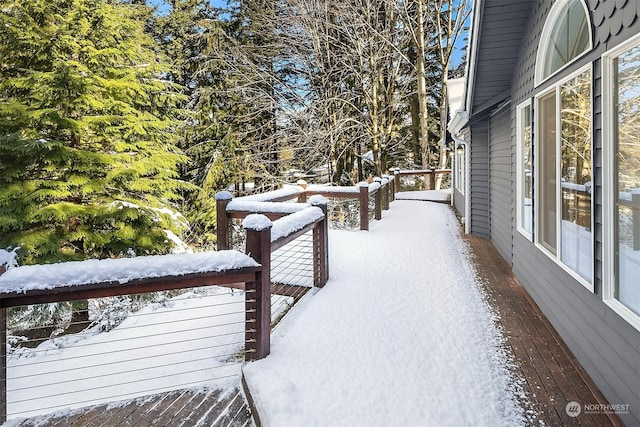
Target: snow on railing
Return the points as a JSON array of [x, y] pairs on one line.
[[290, 224], [178, 342], [288, 192], [378, 194], [431, 174]]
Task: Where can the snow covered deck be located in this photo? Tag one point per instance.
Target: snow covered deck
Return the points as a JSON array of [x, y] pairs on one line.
[[413, 328]]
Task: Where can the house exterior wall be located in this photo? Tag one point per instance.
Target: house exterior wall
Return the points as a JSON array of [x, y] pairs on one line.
[[459, 199], [501, 180], [459, 202], [607, 346], [479, 179]]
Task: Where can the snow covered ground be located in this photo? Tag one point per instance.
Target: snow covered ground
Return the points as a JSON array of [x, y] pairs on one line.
[[401, 335], [428, 195]]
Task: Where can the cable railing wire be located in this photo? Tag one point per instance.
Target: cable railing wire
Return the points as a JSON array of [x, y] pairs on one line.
[[162, 350]]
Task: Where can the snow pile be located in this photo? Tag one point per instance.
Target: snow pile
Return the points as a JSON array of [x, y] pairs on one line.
[[374, 186], [287, 191], [289, 224], [256, 222], [427, 195], [241, 205], [121, 270], [332, 189], [399, 336], [8, 259], [224, 195], [317, 200]]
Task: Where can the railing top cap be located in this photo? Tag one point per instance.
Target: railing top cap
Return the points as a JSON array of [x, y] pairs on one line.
[[256, 222], [8, 259], [224, 195], [123, 270], [264, 207], [288, 190], [291, 223], [317, 199]]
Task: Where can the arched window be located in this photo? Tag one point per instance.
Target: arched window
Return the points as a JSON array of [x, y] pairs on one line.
[[566, 36]]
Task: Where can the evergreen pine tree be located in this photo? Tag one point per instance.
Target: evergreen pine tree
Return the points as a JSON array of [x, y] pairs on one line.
[[88, 161]]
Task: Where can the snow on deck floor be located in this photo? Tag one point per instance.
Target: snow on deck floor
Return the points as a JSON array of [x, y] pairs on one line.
[[425, 195], [400, 336]]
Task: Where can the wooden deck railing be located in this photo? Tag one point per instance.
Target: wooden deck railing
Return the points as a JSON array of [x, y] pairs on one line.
[[276, 204], [248, 274], [263, 237], [430, 173]]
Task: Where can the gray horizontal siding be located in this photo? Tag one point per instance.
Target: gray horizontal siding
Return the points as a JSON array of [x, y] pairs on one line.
[[479, 180], [459, 203], [599, 338], [500, 196]]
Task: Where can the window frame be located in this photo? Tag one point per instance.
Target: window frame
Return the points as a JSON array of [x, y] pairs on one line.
[[545, 38], [520, 109], [609, 165], [557, 257], [460, 162]]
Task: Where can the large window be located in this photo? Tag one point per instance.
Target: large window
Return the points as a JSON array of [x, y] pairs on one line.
[[566, 35], [575, 175], [460, 165], [622, 162], [547, 200], [564, 172], [525, 169]]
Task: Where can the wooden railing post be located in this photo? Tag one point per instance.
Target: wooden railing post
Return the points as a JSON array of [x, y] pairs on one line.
[[392, 187], [635, 206], [223, 222], [396, 182], [258, 293], [364, 206], [432, 179], [302, 198], [320, 245], [387, 192], [378, 200]]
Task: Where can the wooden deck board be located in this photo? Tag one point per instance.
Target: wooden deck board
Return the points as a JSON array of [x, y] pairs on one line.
[[187, 408], [552, 375]]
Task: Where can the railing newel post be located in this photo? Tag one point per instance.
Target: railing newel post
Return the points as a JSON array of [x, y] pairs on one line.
[[378, 199], [302, 198], [321, 245], [223, 222], [387, 192], [432, 179], [364, 205], [258, 305], [396, 181]]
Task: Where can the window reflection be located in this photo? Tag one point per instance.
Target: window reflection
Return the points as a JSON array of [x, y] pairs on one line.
[[546, 220], [627, 196], [576, 185], [526, 168]]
